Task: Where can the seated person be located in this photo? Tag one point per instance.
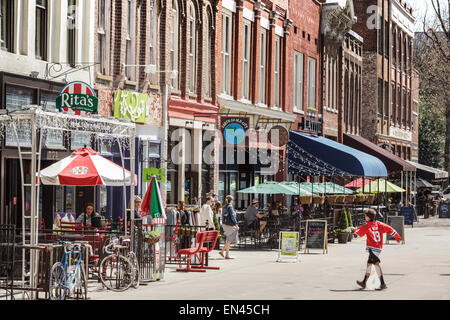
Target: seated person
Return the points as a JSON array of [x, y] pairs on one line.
[[307, 213], [87, 215], [253, 219]]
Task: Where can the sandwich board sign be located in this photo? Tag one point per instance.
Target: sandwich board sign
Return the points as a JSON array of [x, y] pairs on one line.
[[77, 98], [288, 245], [408, 213], [398, 223], [316, 235]]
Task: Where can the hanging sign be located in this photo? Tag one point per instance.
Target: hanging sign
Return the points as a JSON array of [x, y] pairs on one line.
[[77, 98], [281, 134], [288, 245], [148, 173], [234, 130], [131, 105]]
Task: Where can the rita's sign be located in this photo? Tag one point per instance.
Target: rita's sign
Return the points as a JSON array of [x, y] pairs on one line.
[[77, 98]]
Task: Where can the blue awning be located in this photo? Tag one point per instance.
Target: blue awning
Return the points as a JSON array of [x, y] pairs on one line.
[[316, 155]]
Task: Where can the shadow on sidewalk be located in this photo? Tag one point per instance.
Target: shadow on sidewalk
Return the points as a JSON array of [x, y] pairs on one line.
[[347, 290]]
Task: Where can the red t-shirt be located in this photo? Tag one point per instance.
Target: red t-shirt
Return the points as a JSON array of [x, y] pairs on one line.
[[374, 232]]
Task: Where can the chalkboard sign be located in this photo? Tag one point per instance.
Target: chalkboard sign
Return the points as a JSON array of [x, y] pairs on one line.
[[398, 223], [444, 210], [316, 235], [408, 214]]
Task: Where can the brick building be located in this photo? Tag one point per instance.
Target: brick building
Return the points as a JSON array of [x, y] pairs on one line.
[[341, 70], [125, 45], [253, 86], [188, 37], [388, 31]]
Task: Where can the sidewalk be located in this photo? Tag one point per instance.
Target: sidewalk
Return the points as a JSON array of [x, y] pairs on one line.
[[419, 269]]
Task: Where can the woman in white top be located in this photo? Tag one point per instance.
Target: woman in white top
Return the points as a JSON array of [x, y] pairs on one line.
[[207, 215]]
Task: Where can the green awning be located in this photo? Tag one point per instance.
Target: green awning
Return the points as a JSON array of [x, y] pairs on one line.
[[270, 187], [383, 185]]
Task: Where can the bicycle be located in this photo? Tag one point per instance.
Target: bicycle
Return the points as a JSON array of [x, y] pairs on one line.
[[68, 274], [117, 272]]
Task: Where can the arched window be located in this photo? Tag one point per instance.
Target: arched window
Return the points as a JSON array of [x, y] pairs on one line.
[[192, 49], [208, 55], [174, 32]]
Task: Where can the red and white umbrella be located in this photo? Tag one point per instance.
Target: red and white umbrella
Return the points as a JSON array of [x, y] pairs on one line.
[[85, 167]]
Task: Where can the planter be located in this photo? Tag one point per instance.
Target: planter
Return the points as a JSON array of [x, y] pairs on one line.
[[371, 198], [187, 232], [340, 199], [152, 241], [350, 236], [350, 199], [319, 200], [360, 198], [342, 237], [331, 199], [306, 199]]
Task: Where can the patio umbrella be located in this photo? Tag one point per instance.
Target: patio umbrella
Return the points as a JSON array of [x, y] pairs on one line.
[[152, 203], [85, 167], [333, 188], [358, 183], [297, 188], [270, 187], [385, 186]]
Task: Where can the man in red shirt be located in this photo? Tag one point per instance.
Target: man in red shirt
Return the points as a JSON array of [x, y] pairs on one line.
[[374, 231]]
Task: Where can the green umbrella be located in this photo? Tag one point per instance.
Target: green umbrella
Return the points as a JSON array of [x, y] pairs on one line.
[[385, 186], [270, 187], [332, 188], [296, 188]]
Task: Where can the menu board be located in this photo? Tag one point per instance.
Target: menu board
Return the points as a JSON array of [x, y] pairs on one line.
[[398, 223], [444, 210], [316, 235], [408, 214]]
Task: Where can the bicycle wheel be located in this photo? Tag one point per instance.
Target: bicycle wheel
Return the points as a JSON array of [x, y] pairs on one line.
[[80, 283], [133, 259], [116, 272], [57, 284]]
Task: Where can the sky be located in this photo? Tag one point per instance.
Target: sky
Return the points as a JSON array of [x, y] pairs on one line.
[[420, 8]]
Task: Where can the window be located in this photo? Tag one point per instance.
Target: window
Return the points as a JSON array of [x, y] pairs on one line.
[[386, 38], [101, 41], [129, 54], [41, 29], [153, 78], [334, 83], [298, 81], [399, 105], [380, 96], [174, 30], [262, 67], [71, 27], [276, 80], [394, 46], [6, 24], [386, 99], [327, 82], [246, 39], [208, 55], [192, 49], [311, 93], [226, 53], [393, 101]]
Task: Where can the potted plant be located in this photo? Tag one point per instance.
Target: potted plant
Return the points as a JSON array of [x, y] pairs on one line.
[[306, 199], [152, 237], [343, 230], [319, 200], [350, 223]]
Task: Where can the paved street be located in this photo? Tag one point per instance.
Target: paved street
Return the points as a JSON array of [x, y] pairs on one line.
[[419, 269]]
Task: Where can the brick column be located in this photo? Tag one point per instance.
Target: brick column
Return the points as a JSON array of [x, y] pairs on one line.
[[340, 83], [254, 67], [286, 53]]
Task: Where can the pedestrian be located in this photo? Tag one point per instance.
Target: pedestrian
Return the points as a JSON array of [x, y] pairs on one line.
[[230, 226], [374, 231], [207, 215], [218, 211]]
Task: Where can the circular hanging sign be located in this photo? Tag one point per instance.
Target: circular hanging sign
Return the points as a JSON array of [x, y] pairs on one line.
[[234, 133], [283, 136], [80, 171], [78, 98]]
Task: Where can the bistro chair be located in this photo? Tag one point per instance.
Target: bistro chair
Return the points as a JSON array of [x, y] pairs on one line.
[[189, 252], [210, 242]]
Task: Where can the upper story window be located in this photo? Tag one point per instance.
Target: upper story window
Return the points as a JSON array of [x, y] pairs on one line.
[[152, 43], [276, 72], [6, 24], [192, 49], [226, 52], [41, 29], [262, 67], [130, 37], [174, 32], [71, 29], [311, 93], [102, 34], [246, 45], [298, 81], [208, 41]]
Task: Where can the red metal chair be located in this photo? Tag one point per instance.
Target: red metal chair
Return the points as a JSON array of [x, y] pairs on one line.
[[192, 251], [210, 238]]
